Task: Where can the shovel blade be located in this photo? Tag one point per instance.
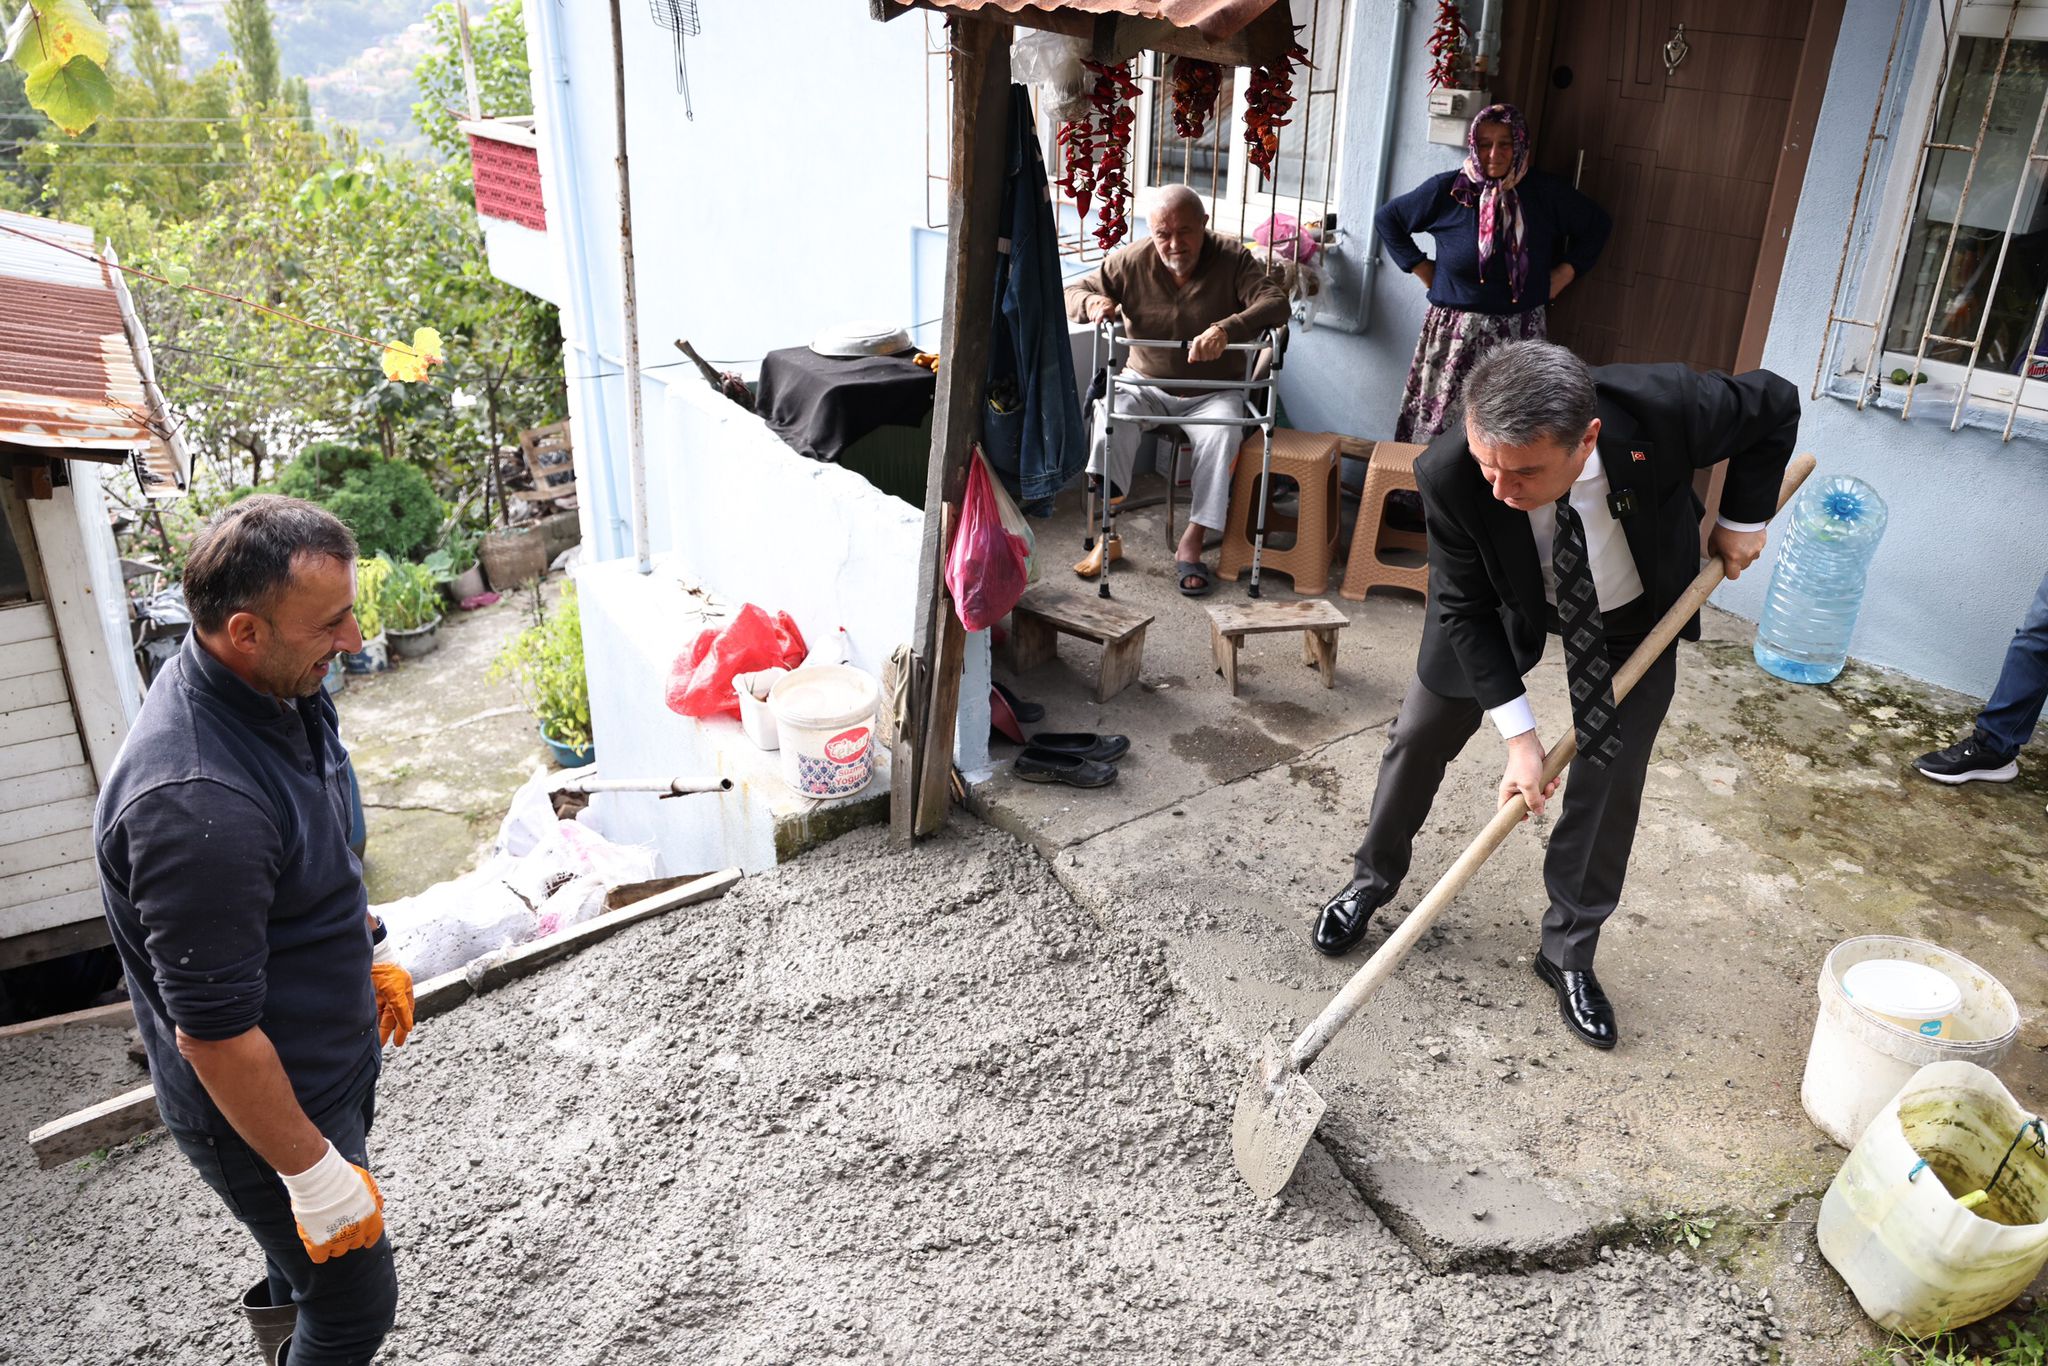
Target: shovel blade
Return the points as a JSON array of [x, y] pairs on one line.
[[1277, 1113]]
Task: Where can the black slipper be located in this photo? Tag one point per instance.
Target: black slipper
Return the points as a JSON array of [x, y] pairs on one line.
[[1194, 569], [1028, 712], [1036, 765], [1085, 744]]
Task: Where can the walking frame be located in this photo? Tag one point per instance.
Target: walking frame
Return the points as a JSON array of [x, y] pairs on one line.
[[1254, 386]]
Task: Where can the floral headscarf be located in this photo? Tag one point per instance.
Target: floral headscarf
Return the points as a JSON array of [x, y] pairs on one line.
[[1500, 208]]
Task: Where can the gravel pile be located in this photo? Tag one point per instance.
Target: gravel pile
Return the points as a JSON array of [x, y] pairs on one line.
[[868, 1107]]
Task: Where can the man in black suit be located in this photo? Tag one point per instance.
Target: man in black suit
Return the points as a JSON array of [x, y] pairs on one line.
[[1564, 504]]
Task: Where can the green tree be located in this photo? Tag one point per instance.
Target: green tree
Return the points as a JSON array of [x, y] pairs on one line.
[[255, 43], [498, 45], [155, 53]]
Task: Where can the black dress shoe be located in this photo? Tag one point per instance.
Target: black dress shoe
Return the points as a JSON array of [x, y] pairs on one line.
[[1581, 1001], [1342, 921]]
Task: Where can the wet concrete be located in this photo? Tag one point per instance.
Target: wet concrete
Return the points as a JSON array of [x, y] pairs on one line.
[[439, 749], [1778, 821]]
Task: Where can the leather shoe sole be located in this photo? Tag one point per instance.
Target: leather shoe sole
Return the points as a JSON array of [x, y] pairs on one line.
[[1598, 1029]]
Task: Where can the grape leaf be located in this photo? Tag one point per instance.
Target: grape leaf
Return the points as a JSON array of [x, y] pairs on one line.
[[50, 34], [72, 96], [408, 364]]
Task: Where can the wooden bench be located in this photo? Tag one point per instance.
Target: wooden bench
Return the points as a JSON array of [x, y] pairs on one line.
[[1318, 622], [1044, 614]]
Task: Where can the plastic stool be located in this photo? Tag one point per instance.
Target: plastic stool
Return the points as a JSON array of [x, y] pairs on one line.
[[1310, 460], [1391, 466]]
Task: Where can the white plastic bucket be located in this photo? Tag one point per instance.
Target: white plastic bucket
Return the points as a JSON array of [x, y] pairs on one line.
[[1917, 1260], [755, 719], [1858, 1060], [825, 721], [1905, 993]]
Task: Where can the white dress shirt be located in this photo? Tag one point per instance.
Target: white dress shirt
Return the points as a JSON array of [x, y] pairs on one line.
[[1615, 580]]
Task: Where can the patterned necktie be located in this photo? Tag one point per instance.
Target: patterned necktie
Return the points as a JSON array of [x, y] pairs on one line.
[[1585, 641]]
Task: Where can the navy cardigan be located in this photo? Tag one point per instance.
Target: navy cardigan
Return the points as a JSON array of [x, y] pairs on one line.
[[1560, 224]]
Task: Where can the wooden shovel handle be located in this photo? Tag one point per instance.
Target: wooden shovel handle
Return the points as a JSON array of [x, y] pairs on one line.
[[1377, 969]]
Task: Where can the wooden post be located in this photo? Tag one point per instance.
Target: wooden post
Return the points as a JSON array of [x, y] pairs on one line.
[[470, 90], [636, 445], [980, 134]]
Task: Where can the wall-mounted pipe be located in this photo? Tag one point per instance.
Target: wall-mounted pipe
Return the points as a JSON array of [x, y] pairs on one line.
[[1360, 322]]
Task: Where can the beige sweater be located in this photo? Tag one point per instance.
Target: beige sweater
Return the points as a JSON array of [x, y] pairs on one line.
[[1230, 286]]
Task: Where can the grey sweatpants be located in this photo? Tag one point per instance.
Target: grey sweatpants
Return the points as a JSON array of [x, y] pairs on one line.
[[1215, 447]]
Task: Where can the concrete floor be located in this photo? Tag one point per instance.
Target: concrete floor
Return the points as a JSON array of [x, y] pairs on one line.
[[439, 749], [1779, 820]]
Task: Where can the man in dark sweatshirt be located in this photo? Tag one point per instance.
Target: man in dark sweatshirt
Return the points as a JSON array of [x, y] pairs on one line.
[[261, 983]]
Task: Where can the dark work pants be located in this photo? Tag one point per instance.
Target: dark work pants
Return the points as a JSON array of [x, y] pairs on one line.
[[345, 1303], [1589, 848]]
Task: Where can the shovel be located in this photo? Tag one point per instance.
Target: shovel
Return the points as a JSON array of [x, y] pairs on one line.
[[1277, 1110]]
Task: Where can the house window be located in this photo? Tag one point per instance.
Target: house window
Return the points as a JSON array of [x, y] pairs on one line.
[[1958, 270], [1302, 181]]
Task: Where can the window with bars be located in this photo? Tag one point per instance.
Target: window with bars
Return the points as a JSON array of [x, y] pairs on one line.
[[1949, 314], [1302, 182]]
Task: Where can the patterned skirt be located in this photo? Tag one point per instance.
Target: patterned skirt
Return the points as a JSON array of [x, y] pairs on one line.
[[1452, 343]]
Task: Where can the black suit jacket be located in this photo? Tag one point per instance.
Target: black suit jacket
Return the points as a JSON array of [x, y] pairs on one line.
[[1658, 423]]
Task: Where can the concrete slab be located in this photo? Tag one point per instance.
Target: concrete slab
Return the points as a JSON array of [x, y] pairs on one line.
[[1779, 820], [439, 749]]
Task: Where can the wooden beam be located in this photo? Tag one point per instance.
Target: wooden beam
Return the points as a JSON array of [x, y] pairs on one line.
[[1265, 40], [980, 138], [39, 946], [134, 1113], [119, 1013]]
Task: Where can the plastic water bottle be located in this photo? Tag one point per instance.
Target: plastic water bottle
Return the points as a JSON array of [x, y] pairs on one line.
[[1810, 608]]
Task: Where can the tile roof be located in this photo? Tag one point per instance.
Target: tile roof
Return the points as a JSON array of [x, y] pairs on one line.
[[72, 381]]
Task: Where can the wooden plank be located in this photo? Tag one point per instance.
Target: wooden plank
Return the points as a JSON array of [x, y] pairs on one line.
[[46, 884], [41, 821], [100, 1126], [34, 690], [46, 722], [119, 1013], [1122, 660], [979, 145], [134, 1112], [45, 786], [1256, 617], [67, 925], [29, 657], [48, 851], [100, 679], [41, 756], [25, 622], [1102, 620]]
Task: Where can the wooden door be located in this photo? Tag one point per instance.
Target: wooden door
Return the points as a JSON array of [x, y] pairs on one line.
[[1683, 160]]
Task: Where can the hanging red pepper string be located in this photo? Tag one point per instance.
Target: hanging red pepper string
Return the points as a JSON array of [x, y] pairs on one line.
[[1195, 87], [1077, 176], [1446, 45], [1268, 95], [1115, 120]]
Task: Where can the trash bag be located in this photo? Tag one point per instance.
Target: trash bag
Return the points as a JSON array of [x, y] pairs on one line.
[[985, 567], [1015, 523], [700, 681]]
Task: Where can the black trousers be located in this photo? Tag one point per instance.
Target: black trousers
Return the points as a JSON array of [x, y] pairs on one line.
[[1589, 848]]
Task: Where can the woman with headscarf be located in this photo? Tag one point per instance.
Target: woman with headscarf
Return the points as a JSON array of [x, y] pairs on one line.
[[1508, 240]]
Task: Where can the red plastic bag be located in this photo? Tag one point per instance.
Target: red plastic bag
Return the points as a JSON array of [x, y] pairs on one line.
[[986, 568], [700, 681]]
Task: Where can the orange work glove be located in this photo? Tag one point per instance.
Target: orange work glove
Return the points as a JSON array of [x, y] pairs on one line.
[[337, 1206], [393, 985]]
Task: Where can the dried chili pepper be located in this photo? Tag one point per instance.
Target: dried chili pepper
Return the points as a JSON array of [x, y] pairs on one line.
[[1115, 120], [1195, 87], [1268, 95], [1077, 176], [1446, 45]]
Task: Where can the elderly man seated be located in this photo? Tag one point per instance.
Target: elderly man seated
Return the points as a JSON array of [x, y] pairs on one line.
[[1184, 283]]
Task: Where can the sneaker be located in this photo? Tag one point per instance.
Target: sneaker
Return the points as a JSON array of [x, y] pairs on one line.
[[1968, 761]]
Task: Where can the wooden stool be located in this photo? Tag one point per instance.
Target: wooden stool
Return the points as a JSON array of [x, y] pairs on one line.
[[1391, 467], [1318, 621], [1310, 460], [1044, 614]]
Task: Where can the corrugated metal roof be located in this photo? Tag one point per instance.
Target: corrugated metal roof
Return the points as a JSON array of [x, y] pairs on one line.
[[71, 380], [1214, 19]]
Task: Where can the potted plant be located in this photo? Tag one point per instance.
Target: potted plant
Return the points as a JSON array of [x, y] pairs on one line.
[[455, 565], [410, 604], [545, 662], [372, 658]]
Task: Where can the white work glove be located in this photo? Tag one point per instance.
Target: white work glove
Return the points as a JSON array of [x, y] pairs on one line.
[[337, 1205]]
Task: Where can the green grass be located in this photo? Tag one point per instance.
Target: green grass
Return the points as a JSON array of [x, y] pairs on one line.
[[2014, 1342]]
